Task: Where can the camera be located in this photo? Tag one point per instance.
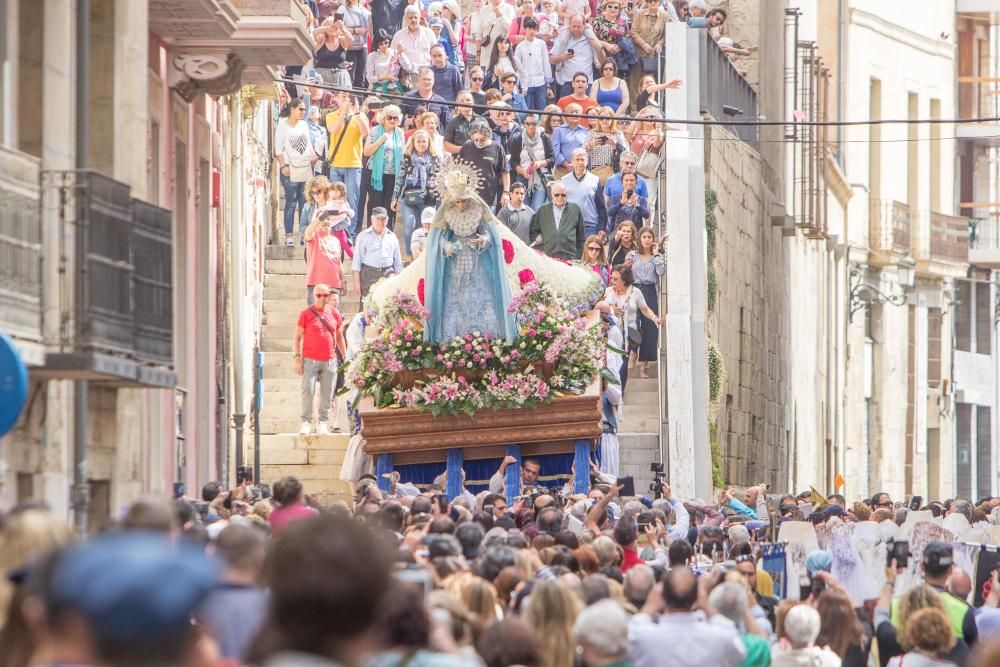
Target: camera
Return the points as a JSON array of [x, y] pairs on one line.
[[244, 474], [656, 486]]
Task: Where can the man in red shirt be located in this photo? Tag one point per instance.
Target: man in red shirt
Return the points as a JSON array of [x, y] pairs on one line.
[[316, 349], [579, 95]]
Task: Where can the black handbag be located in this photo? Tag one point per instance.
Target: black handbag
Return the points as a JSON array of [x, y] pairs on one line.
[[414, 196], [634, 338], [649, 64]]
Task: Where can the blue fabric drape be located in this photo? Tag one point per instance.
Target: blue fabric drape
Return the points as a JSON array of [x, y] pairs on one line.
[[554, 473], [436, 274]]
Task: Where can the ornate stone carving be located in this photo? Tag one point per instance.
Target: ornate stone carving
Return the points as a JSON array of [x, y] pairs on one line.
[[193, 75]]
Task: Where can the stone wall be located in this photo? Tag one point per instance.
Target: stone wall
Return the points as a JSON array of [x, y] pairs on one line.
[[750, 320]]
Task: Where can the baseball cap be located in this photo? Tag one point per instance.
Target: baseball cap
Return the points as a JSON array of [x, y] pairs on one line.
[[938, 555], [427, 217], [436, 23], [379, 212]]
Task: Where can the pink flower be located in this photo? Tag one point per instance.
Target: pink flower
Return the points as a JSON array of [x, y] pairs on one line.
[[449, 365], [440, 357], [468, 336], [361, 383], [508, 251], [415, 353], [476, 358], [526, 276], [468, 347], [408, 336], [420, 291]]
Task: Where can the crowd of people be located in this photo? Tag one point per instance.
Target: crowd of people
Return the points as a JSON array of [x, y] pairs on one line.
[[256, 575]]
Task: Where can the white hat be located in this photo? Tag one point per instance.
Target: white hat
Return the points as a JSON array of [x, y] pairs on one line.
[[427, 217]]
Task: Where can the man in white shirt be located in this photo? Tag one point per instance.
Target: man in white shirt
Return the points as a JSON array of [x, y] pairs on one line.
[[414, 40], [529, 475], [669, 632], [575, 50], [531, 60], [494, 21]]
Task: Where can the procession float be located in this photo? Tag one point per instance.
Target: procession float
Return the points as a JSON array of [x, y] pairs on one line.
[[480, 348]]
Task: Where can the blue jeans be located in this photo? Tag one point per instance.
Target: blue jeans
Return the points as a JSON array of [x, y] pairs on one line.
[[295, 197], [536, 198], [411, 219], [535, 97], [352, 179]]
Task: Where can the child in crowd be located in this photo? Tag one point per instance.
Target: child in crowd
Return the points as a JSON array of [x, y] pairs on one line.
[[340, 221]]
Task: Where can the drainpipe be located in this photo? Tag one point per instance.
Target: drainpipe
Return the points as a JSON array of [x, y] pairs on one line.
[[841, 76], [81, 484], [237, 271]]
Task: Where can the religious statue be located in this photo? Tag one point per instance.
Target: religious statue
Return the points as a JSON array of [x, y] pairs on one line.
[[465, 281]]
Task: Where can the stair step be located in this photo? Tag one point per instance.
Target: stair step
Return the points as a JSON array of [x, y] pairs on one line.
[[642, 425], [278, 330], [289, 306], [639, 384], [284, 280], [330, 472], [294, 441], [296, 266], [290, 425], [640, 411], [283, 252], [276, 344], [296, 293]]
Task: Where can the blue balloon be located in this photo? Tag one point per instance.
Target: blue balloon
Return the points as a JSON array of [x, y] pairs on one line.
[[13, 384]]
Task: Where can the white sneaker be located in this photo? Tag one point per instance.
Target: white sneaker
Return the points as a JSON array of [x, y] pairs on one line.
[[305, 429], [289, 242], [323, 429]]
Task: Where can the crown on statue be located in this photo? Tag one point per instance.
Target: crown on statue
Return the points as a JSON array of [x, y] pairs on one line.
[[458, 179]]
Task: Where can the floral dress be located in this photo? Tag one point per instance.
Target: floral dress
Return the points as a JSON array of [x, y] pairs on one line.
[[612, 31]]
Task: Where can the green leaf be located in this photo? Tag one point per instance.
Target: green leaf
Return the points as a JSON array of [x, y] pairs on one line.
[[610, 376], [615, 349]]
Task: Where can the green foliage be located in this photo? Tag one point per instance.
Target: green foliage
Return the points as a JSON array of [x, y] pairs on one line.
[[718, 481], [716, 372], [713, 288], [711, 227]]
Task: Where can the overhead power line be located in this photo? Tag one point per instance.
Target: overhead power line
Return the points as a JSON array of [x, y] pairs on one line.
[[668, 121]]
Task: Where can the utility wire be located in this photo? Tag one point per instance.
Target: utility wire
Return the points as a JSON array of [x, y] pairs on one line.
[[409, 101]]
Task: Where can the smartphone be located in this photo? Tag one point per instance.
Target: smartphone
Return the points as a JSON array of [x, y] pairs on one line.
[[570, 51], [529, 501], [899, 551], [629, 193], [629, 486], [418, 578], [313, 75], [915, 502], [376, 106], [338, 16]]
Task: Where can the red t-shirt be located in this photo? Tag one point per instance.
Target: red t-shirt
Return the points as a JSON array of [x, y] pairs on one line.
[[323, 260], [316, 340], [282, 516], [629, 559], [585, 103]]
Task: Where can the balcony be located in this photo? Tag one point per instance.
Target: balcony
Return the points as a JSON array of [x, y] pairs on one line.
[[725, 94], [124, 283], [888, 231], [20, 252], [228, 43], [941, 245], [978, 97], [984, 242]]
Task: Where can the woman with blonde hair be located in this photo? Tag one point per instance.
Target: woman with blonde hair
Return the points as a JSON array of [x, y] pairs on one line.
[[480, 597], [549, 121], [646, 139], [414, 189], [384, 150], [608, 552], [27, 533], [552, 610], [605, 142]]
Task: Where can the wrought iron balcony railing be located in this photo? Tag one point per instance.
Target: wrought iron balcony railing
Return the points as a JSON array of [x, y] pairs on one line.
[[20, 245], [725, 94]]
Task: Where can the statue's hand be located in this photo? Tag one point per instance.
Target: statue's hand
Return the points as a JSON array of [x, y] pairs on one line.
[[449, 249]]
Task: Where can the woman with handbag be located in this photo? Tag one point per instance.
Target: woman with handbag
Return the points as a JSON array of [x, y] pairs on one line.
[[384, 150], [646, 140], [648, 266], [605, 143], [413, 191], [626, 303], [295, 154], [649, 20]]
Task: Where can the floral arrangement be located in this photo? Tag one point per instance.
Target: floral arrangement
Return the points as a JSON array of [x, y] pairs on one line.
[[556, 352]]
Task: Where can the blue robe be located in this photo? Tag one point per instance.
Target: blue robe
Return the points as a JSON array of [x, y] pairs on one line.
[[475, 302]]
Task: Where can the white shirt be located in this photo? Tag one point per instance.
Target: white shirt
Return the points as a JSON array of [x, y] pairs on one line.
[[682, 640], [557, 212], [293, 143], [416, 46], [531, 60]]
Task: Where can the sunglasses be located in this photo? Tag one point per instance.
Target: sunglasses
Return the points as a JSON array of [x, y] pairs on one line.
[[594, 249], [611, 6], [392, 117], [477, 78]]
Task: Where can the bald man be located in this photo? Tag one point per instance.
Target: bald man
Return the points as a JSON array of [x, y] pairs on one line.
[[959, 584]]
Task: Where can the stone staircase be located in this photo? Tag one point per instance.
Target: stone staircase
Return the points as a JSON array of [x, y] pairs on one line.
[[638, 430], [316, 459]]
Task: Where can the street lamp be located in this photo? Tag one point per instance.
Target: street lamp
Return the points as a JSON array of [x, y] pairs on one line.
[[864, 294]]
